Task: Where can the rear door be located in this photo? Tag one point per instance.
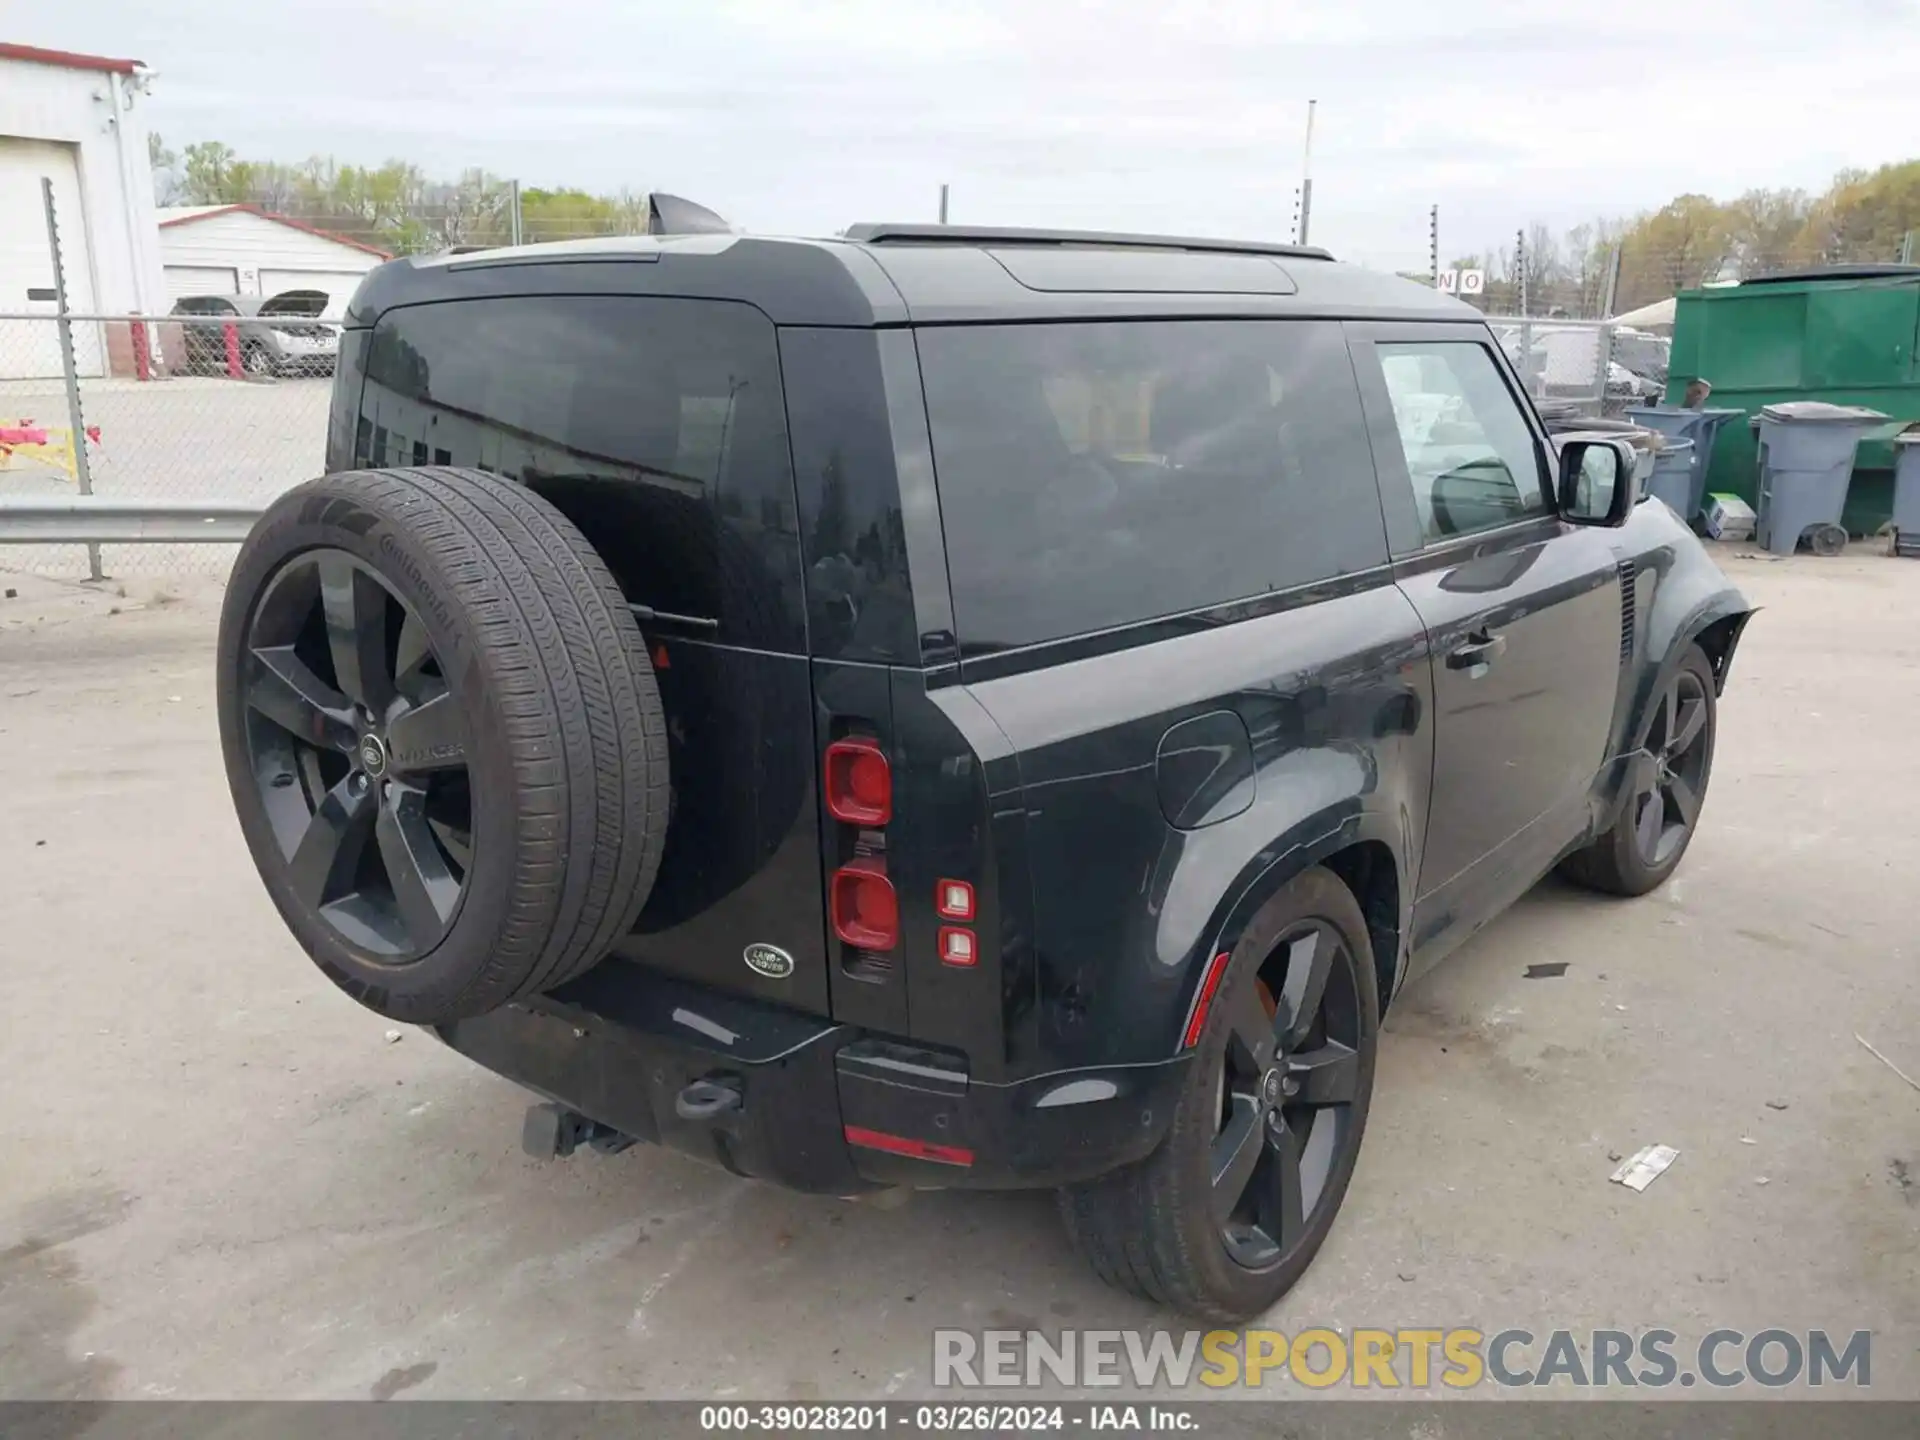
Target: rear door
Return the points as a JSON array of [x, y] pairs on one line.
[[656, 425], [1522, 611]]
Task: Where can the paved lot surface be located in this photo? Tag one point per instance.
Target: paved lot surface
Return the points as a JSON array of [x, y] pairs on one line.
[[221, 1180]]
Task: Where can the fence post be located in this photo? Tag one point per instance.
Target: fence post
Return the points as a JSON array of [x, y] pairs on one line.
[[76, 418], [142, 357], [1603, 347], [1611, 287], [231, 333]]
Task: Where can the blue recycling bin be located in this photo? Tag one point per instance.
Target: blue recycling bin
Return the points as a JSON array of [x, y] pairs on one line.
[[1702, 427], [1906, 492], [1672, 477], [1806, 458]]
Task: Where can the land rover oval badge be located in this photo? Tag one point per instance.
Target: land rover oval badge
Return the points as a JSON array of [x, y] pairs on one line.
[[770, 961]]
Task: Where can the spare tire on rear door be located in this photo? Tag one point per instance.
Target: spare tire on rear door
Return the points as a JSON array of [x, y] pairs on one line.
[[443, 738]]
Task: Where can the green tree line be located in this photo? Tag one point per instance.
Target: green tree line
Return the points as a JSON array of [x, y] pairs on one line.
[[396, 206], [1863, 217]]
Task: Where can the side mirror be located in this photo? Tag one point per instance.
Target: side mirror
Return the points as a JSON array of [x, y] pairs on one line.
[[1599, 481]]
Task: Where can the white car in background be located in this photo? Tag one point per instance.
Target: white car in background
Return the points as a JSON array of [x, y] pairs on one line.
[[279, 336]]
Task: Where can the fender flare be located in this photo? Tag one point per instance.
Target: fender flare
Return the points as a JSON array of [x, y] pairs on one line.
[[1259, 883]]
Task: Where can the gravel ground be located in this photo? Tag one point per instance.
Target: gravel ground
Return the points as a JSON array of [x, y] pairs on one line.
[[222, 1180]]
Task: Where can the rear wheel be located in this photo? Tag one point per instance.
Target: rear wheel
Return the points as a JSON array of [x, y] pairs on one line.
[[442, 737], [1228, 1213], [1666, 788]]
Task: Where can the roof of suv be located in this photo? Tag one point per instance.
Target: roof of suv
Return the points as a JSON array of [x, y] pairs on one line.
[[928, 274]]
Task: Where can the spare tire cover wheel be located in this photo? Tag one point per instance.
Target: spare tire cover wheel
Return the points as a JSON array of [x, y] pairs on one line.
[[442, 736]]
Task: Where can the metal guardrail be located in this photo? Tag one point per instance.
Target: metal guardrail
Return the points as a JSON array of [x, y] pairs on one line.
[[108, 519]]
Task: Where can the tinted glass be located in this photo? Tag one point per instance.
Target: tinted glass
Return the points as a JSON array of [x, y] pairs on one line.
[[859, 602], [1093, 475], [656, 424], [1470, 453]]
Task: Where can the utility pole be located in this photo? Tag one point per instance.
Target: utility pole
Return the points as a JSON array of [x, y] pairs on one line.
[[1520, 267], [1433, 245], [513, 212], [943, 203], [1306, 177]]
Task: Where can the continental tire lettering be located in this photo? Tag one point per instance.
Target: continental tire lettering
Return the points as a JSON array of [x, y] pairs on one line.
[[391, 549]]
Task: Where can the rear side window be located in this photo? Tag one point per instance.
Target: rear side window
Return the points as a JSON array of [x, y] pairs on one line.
[[1095, 475], [656, 424]]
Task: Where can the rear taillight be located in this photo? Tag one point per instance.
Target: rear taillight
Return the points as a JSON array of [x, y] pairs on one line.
[[863, 906], [859, 784]]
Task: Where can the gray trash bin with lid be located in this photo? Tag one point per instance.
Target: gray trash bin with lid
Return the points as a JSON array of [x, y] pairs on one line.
[[1906, 492], [1806, 459], [1672, 478], [1702, 427]]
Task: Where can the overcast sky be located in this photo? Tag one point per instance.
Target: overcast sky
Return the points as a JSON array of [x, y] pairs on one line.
[[806, 115]]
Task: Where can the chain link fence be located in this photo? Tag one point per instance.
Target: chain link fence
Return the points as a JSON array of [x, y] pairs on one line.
[[1568, 364], [172, 408]]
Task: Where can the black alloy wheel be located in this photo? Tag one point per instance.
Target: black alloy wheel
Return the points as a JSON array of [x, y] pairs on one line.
[[1666, 805], [359, 754], [1665, 787], [1288, 1083], [1227, 1213]]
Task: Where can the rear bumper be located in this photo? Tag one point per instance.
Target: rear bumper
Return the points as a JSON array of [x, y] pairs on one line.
[[822, 1107]]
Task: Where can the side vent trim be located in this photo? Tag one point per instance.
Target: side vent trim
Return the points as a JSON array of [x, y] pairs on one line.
[[1629, 606]]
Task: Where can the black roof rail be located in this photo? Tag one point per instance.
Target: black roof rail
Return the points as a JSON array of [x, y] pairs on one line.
[[883, 234]]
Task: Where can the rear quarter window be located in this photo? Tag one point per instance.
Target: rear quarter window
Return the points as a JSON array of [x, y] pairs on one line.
[[1096, 475]]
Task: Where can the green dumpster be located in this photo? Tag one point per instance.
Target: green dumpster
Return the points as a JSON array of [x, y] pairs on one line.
[[1845, 335]]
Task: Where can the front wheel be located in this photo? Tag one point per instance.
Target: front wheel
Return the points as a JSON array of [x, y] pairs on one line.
[[1666, 788], [1228, 1213]]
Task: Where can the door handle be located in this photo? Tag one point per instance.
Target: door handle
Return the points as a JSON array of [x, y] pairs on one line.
[[1478, 648]]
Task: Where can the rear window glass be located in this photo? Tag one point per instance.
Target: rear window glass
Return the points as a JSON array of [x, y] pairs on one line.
[[1095, 475], [655, 424]]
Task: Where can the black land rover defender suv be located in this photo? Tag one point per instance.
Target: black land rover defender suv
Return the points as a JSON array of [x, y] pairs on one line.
[[941, 707]]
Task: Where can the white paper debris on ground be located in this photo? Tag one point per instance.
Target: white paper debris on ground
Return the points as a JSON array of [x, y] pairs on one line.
[[393, 1037], [1645, 1166]]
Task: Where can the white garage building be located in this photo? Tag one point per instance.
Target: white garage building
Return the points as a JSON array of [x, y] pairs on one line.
[[242, 250], [80, 121]]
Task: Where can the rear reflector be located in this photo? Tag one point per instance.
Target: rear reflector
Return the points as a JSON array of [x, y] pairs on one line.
[[904, 1145], [1216, 970], [958, 947], [859, 785], [953, 900], [865, 911]]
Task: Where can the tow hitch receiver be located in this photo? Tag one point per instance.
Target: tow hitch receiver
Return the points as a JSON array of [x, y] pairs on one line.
[[553, 1131]]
